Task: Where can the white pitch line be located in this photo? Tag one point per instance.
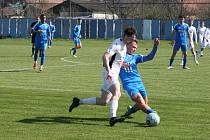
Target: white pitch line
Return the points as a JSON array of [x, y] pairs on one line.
[[44, 89], [79, 63], [63, 59]]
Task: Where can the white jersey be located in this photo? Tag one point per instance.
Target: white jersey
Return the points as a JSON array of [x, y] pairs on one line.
[[193, 35], [206, 41], [201, 31], [118, 52]]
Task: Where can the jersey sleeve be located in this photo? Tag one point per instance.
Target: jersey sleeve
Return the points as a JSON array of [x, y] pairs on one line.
[[113, 48], [150, 56], [139, 58]]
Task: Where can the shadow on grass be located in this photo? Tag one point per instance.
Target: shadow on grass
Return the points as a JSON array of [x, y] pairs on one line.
[[67, 120], [74, 120]]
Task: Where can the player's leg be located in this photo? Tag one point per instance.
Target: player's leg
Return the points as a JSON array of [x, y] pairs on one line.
[[184, 51], [35, 57], [138, 94], [103, 100], [194, 55], [175, 49], [42, 59], [33, 45]]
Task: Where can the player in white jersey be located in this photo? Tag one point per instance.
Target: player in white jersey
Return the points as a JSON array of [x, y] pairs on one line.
[[190, 43], [112, 62], [201, 31], [206, 38]]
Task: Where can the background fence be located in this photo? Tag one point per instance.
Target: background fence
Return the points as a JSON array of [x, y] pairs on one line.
[[95, 29]]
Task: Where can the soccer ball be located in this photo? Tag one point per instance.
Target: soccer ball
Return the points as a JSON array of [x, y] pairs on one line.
[[152, 119]]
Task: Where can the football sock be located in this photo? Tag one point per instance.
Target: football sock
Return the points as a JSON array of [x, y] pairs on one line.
[[74, 51], [88, 101], [42, 57], [32, 50], [171, 62], [184, 62], [113, 108], [149, 110], [35, 55], [131, 110]]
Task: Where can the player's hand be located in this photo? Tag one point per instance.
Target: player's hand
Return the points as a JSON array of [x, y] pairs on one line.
[[109, 76], [156, 42], [41, 31]]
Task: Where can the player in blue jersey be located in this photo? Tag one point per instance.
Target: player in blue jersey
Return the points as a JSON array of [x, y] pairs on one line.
[[76, 38], [131, 78], [52, 31], [113, 59], [181, 32], [43, 34]]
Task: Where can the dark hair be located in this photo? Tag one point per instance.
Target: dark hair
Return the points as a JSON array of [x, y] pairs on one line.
[[181, 16], [42, 15], [129, 31]]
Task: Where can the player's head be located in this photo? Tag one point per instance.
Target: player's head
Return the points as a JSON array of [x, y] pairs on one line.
[[79, 21], [37, 19], [42, 18], [132, 46], [202, 23], [181, 19], [191, 22], [129, 34]]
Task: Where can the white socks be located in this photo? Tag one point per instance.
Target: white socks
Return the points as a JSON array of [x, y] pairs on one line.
[[90, 101], [113, 108]]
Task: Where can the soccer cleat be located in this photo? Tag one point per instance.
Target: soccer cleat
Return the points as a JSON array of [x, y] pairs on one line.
[[170, 67], [35, 65], [114, 120], [127, 113], [41, 68], [74, 56], [187, 68], [75, 103]]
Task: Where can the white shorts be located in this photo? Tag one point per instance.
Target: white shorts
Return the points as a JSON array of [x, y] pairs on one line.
[[107, 83]]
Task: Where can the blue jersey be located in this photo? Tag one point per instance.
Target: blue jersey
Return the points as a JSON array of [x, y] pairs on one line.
[[42, 37], [77, 30], [131, 74], [181, 34]]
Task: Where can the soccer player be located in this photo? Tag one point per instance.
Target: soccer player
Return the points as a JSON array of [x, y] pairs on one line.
[[42, 30], [190, 44], [76, 38], [131, 78], [201, 31], [181, 31], [52, 31], [206, 39], [112, 62], [33, 34]]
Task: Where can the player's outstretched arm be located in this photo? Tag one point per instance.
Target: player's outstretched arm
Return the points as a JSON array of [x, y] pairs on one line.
[[151, 55]]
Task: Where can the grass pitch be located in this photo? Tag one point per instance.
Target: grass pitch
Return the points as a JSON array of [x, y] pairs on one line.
[[34, 105]]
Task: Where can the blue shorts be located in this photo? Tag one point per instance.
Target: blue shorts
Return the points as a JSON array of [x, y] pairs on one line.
[[135, 88], [178, 46], [41, 45], [77, 41]]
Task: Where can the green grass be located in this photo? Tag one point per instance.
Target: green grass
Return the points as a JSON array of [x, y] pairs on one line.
[[34, 105]]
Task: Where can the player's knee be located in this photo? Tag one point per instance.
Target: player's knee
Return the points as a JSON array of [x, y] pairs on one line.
[[104, 102]]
